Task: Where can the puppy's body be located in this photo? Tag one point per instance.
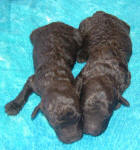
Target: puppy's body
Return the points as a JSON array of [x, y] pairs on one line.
[[55, 48], [108, 49]]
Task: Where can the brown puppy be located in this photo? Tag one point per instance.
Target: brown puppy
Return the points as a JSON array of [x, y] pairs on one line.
[[102, 81], [54, 55]]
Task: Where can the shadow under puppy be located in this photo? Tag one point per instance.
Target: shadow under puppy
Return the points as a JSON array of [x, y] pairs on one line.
[[54, 55], [107, 49]]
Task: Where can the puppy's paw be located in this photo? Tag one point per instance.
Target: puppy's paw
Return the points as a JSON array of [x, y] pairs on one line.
[[12, 108]]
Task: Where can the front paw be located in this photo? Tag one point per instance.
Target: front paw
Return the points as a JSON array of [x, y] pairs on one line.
[[12, 108]]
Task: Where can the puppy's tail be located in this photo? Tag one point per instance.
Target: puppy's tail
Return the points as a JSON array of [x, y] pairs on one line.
[[35, 111], [124, 102]]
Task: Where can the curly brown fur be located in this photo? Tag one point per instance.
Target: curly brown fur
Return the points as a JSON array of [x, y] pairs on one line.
[[54, 55], [107, 48]]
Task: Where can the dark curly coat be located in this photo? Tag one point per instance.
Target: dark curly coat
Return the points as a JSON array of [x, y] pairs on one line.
[[107, 49], [54, 55]]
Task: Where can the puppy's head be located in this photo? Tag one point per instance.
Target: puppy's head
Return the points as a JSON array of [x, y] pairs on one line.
[[98, 106], [70, 129], [96, 119], [63, 115]]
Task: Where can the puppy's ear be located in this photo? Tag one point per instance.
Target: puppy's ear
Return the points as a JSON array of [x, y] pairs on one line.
[[35, 111]]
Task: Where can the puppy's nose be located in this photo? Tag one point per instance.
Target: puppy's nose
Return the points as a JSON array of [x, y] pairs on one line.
[[95, 124], [93, 129], [70, 133], [70, 139]]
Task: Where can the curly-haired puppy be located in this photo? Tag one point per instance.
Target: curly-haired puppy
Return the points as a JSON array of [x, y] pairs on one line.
[[54, 54], [107, 49]]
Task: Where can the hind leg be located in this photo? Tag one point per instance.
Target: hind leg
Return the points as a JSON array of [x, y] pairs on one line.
[[13, 107]]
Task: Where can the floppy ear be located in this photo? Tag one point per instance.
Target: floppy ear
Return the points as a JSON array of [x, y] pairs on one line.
[[35, 111]]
